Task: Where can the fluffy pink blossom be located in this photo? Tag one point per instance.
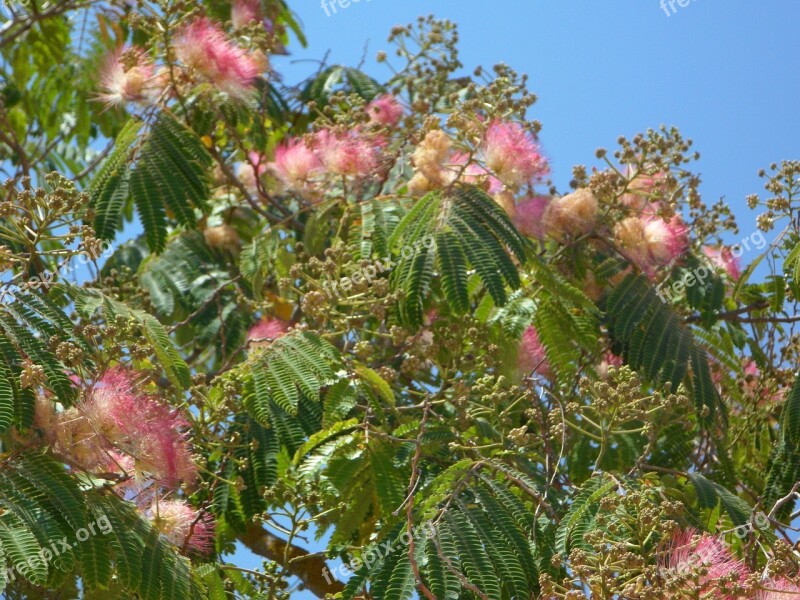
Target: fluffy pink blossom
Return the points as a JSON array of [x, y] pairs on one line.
[[609, 360], [531, 355], [645, 190], [528, 216], [706, 556], [126, 76], [512, 154], [781, 589], [347, 155], [203, 47], [139, 425], [295, 163], [267, 330], [651, 241], [188, 529], [722, 258], [385, 110], [666, 240], [248, 174], [459, 164], [243, 12]]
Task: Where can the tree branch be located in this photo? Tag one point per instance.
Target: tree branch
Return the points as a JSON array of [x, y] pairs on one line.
[[311, 569]]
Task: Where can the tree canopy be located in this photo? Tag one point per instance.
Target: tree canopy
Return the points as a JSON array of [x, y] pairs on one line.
[[238, 311]]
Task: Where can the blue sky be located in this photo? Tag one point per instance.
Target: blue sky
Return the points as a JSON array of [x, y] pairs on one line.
[[725, 73]]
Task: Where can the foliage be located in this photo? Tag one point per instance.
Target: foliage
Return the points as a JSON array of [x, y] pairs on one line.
[[357, 309]]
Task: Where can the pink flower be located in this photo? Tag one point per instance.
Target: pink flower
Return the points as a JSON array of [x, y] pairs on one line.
[[512, 154], [781, 589], [140, 426], [722, 258], [652, 242], [204, 47], [609, 361], [572, 215], [644, 190], [126, 76], [385, 110], [346, 155], [295, 163], [243, 12], [531, 355], [528, 216], [248, 174], [188, 529], [706, 557], [267, 330], [459, 164], [666, 240]]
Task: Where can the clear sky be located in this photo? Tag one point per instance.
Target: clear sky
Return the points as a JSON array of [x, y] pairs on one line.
[[726, 73]]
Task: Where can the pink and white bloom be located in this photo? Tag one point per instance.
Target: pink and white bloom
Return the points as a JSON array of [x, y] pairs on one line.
[[666, 240], [645, 190], [531, 356], [513, 154], [780, 589], [243, 12], [250, 171], [572, 215], [295, 164], [266, 331], [385, 110], [705, 556], [529, 214], [115, 415], [204, 48], [722, 258], [346, 155], [188, 529], [651, 242], [126, 76]]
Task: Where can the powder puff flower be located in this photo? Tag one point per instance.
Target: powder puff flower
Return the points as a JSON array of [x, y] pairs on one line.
[[609, 361], [295, 164], [571, 215], [512, 154], [243, 12], [666, 240], [650, 242], [722, 258], [251, 170], [385, 110], [188, 529], [464, 169], [126, 76], [266, 331], [531, 355], [706, 557], [346, 155], [781, 589], [644, 189], [429, 160], [204, 47], [528, 216], [122, 417]]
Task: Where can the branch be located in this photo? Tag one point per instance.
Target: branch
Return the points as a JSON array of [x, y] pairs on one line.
[[311, 569]]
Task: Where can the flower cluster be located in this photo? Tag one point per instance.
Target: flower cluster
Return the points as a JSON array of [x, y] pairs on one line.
[[204, 54], [119, 432], [705, 562]]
